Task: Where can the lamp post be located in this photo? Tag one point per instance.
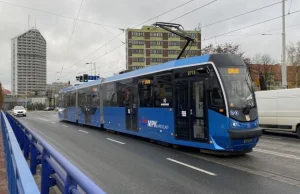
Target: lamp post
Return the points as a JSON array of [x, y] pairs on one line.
[[93, 63]]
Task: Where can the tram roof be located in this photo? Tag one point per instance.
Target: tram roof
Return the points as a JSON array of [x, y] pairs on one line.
[[159, 68], [216, 58]]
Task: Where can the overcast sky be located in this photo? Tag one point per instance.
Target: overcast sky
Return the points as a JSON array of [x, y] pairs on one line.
[[64, 51]]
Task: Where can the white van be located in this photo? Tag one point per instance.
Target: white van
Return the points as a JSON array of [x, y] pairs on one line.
[[279, 110]]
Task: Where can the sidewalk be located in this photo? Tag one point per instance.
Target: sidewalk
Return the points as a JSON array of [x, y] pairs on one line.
[[3, 180]]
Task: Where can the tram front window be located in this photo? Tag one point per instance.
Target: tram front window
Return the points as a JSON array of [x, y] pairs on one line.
[[239, 90]]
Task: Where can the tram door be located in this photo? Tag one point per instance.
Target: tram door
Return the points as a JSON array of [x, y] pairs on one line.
[[131, 107], [191, 111]]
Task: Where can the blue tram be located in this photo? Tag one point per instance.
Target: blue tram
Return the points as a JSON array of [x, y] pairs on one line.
[[205, 102]]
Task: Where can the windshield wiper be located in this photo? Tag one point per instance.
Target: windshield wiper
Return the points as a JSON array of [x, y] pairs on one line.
[[247, 109]]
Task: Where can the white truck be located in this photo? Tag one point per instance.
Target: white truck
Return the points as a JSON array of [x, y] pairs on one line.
[[279, 110]]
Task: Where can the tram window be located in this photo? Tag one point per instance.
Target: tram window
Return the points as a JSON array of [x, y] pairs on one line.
[[72, 101], [124, 92], [216, 96], [81, 98], [163, 88], [110, 97], [145, 95], [66, 99], [61, 101], [95, 97], [119, 94]]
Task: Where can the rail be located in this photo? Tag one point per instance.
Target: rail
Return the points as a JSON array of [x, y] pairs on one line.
[[20, 179], [55, 169]]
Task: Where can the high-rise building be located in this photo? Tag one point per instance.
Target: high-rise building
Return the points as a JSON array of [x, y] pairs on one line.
[[152, 45], [28, 64]]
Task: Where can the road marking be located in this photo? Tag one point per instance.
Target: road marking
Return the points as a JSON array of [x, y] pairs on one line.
[[115, 141], [53, 122], [64, 125], [192, 167], [277, 154], [83, 131]]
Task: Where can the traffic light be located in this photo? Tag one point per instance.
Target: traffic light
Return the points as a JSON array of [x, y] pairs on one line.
[[85, 77], [80, 78]]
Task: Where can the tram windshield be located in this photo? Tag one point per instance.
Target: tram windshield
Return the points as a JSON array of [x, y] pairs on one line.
[[238, 88]]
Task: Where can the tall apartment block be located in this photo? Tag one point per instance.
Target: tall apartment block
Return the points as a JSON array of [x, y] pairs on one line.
[[28, 63], [152, 45]]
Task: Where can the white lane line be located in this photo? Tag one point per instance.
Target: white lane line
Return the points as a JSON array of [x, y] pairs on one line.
[[277, 154], [83, 131], [115, 141], [192, 167], [64, 125], [53, 122]]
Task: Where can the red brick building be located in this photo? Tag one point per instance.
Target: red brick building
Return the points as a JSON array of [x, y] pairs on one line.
[[272, 74]]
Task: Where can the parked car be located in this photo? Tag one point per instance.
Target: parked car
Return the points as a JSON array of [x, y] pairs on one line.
[[19, 111], [49, 108]]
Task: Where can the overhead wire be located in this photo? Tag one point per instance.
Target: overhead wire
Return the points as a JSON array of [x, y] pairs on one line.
[[59, 15], [193, 10], [290, 6], [265, 21], [168, 11], [261, 33], [97, 58], [242, 14], [70, 39]]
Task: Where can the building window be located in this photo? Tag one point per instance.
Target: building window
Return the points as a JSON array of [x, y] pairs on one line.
[[138, 42], [194, 43], [137, 33], [155, 43], [138, 59], [135, 67], [173, 52], [174, 43], [156, 34], [155, 51], [171, 59], [156, 60], [137, 51], [172, 35], [192, 35], [192, 52]]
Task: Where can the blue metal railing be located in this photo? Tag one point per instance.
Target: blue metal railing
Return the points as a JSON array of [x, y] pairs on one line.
[[20, 179], [55, 169]]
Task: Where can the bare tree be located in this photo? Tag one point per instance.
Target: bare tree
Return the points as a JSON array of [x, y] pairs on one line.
[[293, 52], [263, 69], [226, 48]]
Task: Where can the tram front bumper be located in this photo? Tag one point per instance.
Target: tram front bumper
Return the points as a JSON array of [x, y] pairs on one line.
[[236, 134]]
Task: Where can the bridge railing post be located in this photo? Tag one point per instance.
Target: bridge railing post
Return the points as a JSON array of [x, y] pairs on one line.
[[26, 146], [47, 170]]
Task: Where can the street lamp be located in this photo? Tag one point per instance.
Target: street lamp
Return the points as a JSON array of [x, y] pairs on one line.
[[93, 63]]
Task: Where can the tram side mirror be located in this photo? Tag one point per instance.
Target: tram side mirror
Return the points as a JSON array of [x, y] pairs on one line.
[[208, 83]]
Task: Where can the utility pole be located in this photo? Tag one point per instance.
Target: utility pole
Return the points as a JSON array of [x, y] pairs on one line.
[[26, 95], [283, 65]]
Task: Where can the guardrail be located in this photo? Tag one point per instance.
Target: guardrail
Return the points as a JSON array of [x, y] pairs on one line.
[[20, 179], [55, 169]]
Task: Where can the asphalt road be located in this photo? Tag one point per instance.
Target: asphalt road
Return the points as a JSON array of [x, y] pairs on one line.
[[124, 164]]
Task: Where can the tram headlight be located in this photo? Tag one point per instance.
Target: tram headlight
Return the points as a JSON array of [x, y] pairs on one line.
[[235, 124]]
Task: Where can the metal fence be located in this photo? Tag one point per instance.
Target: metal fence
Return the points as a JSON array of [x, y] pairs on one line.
[[20, 179], [55, 169]]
